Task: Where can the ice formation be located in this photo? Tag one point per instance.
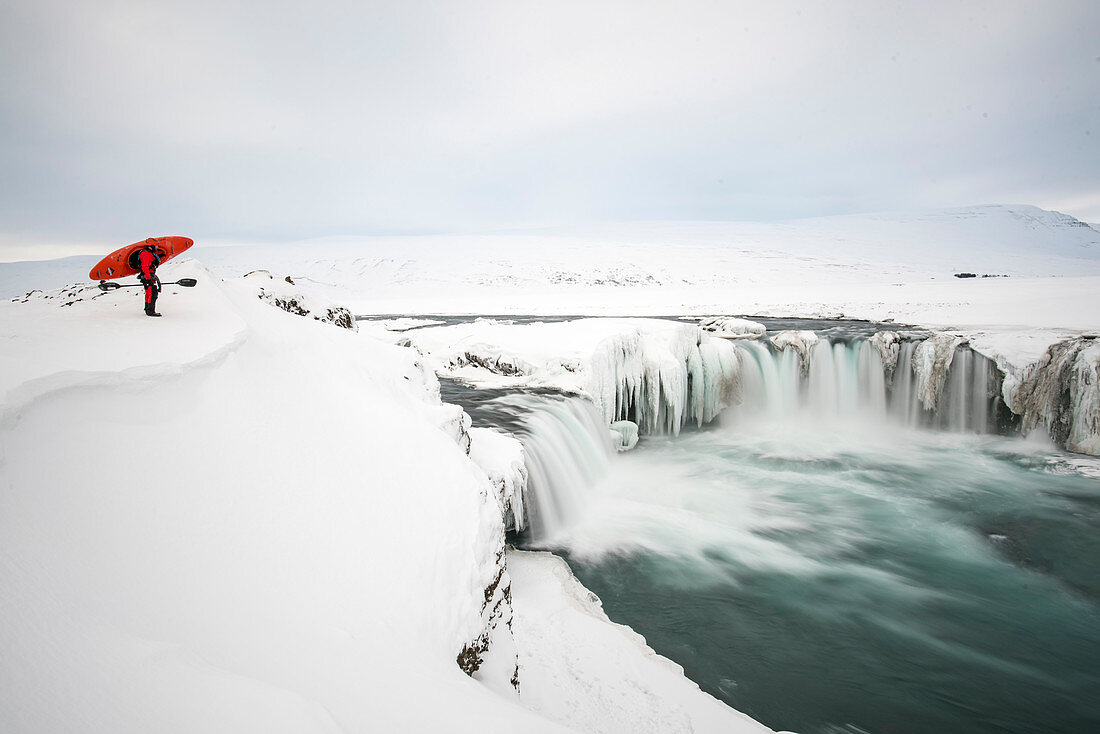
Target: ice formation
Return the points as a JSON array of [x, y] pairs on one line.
[[931, 362], [800, 342], [888, 345], [501, 457], [493, 359], [663, 380], [624, 435], [732, 327], [1062, 392]]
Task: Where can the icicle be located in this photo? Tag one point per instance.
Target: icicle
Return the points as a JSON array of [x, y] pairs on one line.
[[664, 380]]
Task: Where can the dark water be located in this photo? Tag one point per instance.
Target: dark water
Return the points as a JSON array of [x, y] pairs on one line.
[[881, 581], [843, 329]]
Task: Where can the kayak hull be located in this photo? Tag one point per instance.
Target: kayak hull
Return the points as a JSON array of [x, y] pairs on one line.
[[121, 262]]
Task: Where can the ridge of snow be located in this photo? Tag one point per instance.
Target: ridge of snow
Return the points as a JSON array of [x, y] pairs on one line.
[[69, 354]]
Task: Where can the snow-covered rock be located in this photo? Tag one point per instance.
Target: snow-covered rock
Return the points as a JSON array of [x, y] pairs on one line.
[[800, 341], [1061, 392], [624, 435], [931, 361], [501, 457], [285, 294], [731, 327], [493, 359], [888, 346], [662, 375]]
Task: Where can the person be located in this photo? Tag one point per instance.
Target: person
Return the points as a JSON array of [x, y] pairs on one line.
[[148, 260]]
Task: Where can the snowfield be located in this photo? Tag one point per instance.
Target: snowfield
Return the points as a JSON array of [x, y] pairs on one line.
[[235, 518], [1044, 270]]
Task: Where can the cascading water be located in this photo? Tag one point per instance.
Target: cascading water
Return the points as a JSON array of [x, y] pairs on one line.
[[832, 559], [823, 580], [567, 448], [843, 381]]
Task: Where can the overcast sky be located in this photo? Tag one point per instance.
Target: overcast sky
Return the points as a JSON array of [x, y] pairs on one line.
[[240, 119]]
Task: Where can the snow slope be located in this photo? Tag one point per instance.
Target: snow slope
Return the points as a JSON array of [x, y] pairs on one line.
[[237, 519]]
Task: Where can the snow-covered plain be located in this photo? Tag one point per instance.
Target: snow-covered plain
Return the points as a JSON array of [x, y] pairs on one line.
[[876, 267], [1044, 268], [237, 519]]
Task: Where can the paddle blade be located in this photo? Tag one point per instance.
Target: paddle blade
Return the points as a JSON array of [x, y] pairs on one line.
[[187, 282], [105, 286]]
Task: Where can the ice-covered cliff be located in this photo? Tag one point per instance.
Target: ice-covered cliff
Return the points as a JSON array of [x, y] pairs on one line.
[[1061, 393], [663, 379]]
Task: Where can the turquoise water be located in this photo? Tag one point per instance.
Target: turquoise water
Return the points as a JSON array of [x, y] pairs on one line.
[[869, 580]]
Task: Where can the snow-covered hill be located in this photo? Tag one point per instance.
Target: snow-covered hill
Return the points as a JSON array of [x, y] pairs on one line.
[[236, 519], [675, 266]]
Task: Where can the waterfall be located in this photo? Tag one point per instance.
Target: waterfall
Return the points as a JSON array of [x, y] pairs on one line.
[[930, 383], [567, 447], [966, 403], [935, 382]]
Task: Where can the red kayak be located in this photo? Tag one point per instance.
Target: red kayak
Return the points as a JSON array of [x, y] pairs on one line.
[[123, 261]]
